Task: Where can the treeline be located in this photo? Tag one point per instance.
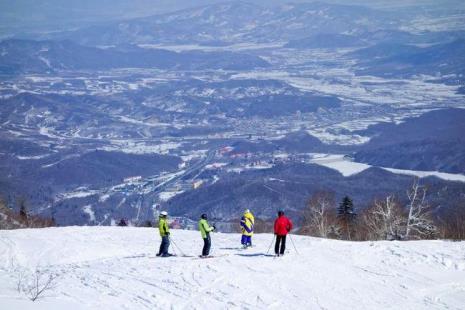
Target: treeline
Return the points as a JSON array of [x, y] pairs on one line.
[[9, 219], [384, 219]]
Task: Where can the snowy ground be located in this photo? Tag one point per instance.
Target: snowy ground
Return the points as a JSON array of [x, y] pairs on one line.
[[347, 167], [116, 268]]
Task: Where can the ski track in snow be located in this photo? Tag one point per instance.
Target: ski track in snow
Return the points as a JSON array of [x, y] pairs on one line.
[[116, 268]]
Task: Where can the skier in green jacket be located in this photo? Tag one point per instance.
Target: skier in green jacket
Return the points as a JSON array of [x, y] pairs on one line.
[[205, 230], [164, 234]]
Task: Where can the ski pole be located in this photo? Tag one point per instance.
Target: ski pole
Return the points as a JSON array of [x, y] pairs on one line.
[[274, 236], [174, 251], [171, 241], [175, 245], [211, 244], [290, 237]]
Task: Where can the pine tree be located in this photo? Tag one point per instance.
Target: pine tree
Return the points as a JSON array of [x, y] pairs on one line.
[[23, 213], [346, 215], [346, 207]]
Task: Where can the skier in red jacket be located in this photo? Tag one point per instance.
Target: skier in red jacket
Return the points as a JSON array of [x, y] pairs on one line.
[[282, 226]]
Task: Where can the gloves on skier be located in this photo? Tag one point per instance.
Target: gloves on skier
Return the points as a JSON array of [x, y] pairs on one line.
[[214, 227]]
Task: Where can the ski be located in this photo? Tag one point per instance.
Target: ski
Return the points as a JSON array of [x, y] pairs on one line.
[[278, 256], [245, 248], [210, 256], [174, 255], [171, 255]]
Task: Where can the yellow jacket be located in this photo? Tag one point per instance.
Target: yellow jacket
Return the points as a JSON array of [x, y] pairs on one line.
[[247, 223], [249, 215], [163, 227]]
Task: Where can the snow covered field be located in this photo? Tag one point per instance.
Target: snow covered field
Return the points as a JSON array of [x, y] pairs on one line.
[[348, 167], [116, 268]]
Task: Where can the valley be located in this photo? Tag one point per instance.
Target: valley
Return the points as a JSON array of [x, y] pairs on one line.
[[123, 122]]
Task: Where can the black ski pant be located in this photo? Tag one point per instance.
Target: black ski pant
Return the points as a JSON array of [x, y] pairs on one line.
[[280, 240], [207, 243], [165, 244]]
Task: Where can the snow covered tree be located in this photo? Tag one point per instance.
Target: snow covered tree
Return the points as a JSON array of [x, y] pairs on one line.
[[317, 216], [385, 219], [419, 220], [346, 216]]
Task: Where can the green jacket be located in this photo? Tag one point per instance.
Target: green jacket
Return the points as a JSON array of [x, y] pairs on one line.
[[163, 227], [204, 228]]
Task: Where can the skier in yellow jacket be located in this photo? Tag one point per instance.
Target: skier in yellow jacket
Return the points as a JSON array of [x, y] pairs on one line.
[[164, 234], [247, 225]]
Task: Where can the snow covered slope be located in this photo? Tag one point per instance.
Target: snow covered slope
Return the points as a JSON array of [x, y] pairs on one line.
[[116, 268], [348, 167]]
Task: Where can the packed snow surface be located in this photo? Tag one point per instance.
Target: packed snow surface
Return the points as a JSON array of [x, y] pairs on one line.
[[347, 167], [116, 268]]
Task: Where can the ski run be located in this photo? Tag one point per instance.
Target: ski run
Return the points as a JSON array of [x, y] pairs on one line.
[[116, 268]]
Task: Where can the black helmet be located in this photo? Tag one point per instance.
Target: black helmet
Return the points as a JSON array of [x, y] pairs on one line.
[[204, 216], [280, 212]]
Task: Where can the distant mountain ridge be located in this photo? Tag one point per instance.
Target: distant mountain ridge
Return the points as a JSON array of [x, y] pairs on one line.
[[390, 59], [22, 56], [433, 141], [326, 40], [235, 21], [289, 186]]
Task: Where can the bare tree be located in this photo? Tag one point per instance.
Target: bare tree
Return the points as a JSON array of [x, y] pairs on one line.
[[11, 220], [35, 284], [419, 220], [452, 222], [263, 226], [385, 219], [8, 219], [317, 220], [334, 227]]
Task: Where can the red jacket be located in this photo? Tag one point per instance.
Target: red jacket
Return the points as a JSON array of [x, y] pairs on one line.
[[282, 225]]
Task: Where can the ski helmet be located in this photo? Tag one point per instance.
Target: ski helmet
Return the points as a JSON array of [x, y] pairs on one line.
[[280, 212], [204, 216], [163, 213], [247, 211]]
